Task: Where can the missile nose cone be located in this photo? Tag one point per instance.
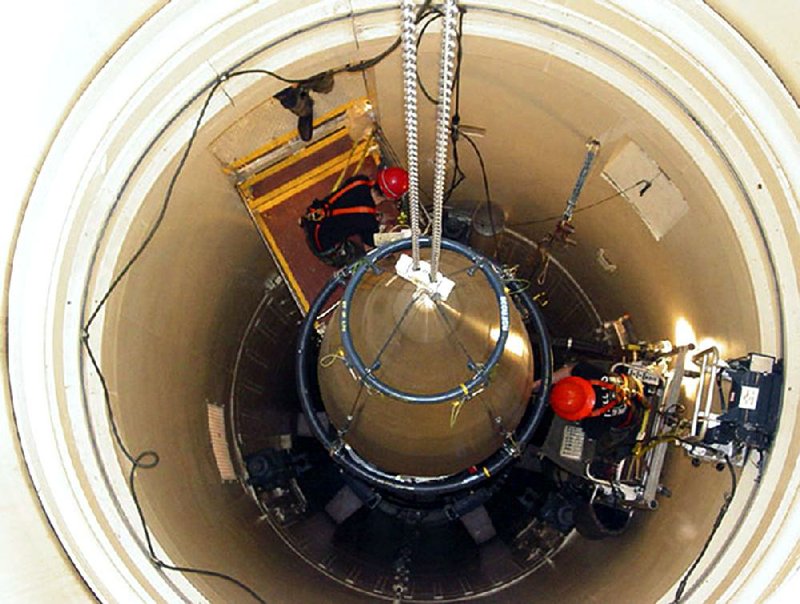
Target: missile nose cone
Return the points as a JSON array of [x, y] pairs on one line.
[[421, 344]]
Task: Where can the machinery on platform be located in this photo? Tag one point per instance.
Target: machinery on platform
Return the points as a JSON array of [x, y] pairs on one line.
[[613, 467], [597, 442], [443, 415], [438, 409], [373, 376]]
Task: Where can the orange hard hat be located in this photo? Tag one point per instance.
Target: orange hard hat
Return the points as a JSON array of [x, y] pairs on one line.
[[572, 398], [393, 182]]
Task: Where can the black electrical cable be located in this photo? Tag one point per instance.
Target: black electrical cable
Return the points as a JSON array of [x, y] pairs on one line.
[[272, 74], [153, 557], [458, 173], [149, 459], [644, 184], [486, 191], [162, 212], [422, 12], [362, 65], [435, 15], [717, 522], [459, 56], [368, 63]]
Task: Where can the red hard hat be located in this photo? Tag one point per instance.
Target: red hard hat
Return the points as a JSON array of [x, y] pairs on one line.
[[572, 398], [393, 182]]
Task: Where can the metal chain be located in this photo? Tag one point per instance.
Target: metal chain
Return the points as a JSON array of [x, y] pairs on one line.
[[409, 35], [592, 148], [446, 73]]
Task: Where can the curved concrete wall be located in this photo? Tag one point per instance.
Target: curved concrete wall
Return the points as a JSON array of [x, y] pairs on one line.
[[674, 78]]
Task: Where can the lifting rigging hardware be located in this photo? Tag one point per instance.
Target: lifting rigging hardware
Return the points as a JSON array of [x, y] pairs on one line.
[[409, 36], [564, 228], [446, 74]]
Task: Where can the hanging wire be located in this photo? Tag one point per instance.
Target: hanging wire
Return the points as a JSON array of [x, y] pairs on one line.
[[434, 17], [458, 174], [726, 504], [410, 104], [149, 459], [642, 185], [139, 463], [446, 72], [486, 191]]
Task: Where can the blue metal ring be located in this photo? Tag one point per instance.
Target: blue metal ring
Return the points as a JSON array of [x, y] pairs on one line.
[[481, 375], [311, 404]]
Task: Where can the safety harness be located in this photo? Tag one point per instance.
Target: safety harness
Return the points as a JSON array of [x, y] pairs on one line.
[[319, 211]]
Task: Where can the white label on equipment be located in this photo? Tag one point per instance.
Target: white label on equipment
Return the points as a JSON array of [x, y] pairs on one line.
[[645, 376], [749, 398], [572, 443]]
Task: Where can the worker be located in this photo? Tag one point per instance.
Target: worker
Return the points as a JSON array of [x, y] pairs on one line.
[[340, 227], [610, 408], [600, 401]]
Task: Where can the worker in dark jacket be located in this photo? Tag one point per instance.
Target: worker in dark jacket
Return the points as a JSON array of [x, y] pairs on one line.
[[339, 227], [609, 406]]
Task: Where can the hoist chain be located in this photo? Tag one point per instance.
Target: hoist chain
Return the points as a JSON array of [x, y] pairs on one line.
[[442, 137], [409, 34], [446, 73]]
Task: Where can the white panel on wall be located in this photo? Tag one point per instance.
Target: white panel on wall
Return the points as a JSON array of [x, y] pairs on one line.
[[661, 204]]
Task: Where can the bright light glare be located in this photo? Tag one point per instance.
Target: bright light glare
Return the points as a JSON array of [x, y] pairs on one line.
[[424, 301], [515, 343], [685, 334], [708, 343]]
